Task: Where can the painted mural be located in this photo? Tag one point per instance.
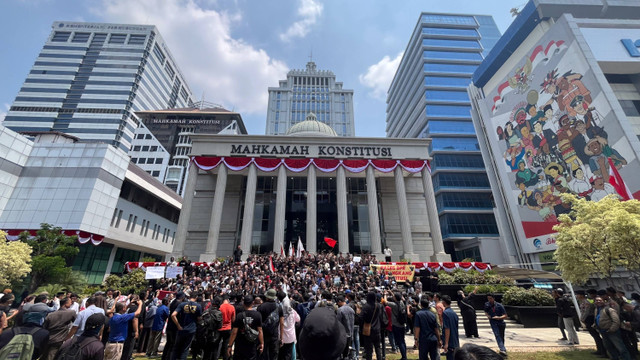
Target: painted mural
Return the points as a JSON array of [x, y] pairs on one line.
[[554, 132]]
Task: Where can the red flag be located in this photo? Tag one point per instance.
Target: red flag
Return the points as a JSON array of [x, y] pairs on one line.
[[616, 181], [271, 267], [281, 251], [330, 241]]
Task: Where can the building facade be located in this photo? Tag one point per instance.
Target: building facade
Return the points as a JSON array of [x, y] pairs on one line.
[[310, 90], [90, 79], [556, 97], [428, 99], [118, 211], [173, 129], [263, 193]]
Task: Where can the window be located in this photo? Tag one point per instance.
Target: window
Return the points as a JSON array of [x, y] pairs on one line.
[[92, 261], [461, 201], [136, 148], [148, 136], [153, 148], [129, 222], [134, 160], [119, 218], [80, 37], [140, 136], [169, 70], [113, 218], [173, 237], [146, 229], [448, 19], [159, 160], [144, 223], [448, 111], [442, 95], [454, 144], [135, 39], [445, 81], [117, 38], [155, 173], [184, 94], [450, 68], [631, 107], [446, 43], [61, 36], [133, 226], [457, 161], [618, 78], [468, 224], [145, 148], [153, 234], [448, 127], [159, 53], [450, 32], [451, 55], [460, 180]]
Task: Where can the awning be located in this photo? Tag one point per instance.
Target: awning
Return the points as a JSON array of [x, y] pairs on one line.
[[520, 273]]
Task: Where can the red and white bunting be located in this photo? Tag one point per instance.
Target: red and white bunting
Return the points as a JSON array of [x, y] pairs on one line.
[[83, 236], [446, 266]]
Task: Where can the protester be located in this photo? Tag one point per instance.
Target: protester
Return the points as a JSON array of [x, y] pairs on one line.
[[426, 331], [91, 348], [323, 337], [608, 324], [228, 317], [587, 312], [291, 318], [58, 323], [79, 323], [172, 329], [347, 317], [496, 314], [272, 325], [119, 329], [185, 317], [31, 325], [246, 333], [450, 328], [387, 254], [159, 320], [398, 320], [468, 313], [559, 301], [372, 315]]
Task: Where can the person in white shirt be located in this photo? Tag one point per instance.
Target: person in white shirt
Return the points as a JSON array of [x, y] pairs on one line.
[[78, 325], [387, 254]]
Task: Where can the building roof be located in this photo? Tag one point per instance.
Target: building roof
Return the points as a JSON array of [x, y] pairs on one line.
[[198, 108], [311, 127], [153, 185], [37, 133]]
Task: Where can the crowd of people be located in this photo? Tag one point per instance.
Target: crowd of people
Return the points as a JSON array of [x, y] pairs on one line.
[[321, 306]]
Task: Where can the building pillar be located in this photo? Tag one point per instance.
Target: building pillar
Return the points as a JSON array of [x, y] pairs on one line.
[[281, 198], [403, 212], [343, 231], [112, 257], [434, 221], [249, 207], [216, 215], [185, 213], [312, 209], [374, 220]]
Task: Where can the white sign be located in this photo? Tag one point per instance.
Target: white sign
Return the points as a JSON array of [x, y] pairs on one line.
[[356, 259], [174, 271], [154, 272]]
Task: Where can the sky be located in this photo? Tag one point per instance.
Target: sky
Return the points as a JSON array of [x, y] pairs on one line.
[[231, 51]]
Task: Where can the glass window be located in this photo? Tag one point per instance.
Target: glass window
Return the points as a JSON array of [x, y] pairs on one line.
[[461, 201], [169, 70], [454, 144], [159, 160], [147, 136], [123, 256], [448, 19], [159, 53], [448, 127], [61, 36], [450, 68], [135, 39], [631, 107], [155, 173], [153, 148], [451, 55], [457, 161], [450, 32], [117, 38], [443, 95], [145, 148], [468, 224], [618, 78], [448, 111], [80, 37], [92, 261], [460, 180], [470, 253], [450, 43], [447, 81]]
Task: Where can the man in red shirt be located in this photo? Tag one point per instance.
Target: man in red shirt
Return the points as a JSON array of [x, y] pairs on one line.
[[228, 317]]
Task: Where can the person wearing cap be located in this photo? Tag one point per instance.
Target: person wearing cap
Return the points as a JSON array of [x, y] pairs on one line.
[[58, 324], [244, 349], [190, 313], [323, 337], [92, 347], [31, 325], [272, 342]]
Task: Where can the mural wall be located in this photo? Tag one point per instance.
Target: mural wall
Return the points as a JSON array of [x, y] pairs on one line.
[[552, 133]]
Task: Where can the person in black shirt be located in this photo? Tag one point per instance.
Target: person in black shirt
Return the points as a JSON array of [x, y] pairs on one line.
[[244, 349], [185, 317], [172, 329], [272, 340], [237, 254], [372, 313]]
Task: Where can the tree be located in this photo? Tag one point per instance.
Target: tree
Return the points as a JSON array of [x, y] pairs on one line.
[[597, 237], [52, 252], [15, 258]]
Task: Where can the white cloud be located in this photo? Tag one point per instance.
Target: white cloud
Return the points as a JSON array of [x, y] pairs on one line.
[[229, 71], [3, 112], [309, 11], [379, 76]]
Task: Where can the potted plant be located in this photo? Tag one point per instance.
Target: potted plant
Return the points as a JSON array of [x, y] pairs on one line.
[[532, 307], [481, 291]]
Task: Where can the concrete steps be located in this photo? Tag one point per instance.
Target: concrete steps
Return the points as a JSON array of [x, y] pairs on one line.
[[481, 319]]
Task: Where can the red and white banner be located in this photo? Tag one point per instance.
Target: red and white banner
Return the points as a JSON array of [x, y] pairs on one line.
[[83, 236], [298, 165], [446, 266], [616, 181]]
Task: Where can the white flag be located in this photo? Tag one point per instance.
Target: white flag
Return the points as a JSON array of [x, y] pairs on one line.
[[300, 248]]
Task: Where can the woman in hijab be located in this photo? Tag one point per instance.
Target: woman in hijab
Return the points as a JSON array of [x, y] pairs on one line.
[[291, 317]]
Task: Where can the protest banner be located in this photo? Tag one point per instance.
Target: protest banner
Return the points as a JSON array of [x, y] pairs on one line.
[[174, 271], [154, 272], [402, 273]]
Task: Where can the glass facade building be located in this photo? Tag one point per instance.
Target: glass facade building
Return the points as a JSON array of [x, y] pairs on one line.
[[90, 79], [310, 91], [428, 99]]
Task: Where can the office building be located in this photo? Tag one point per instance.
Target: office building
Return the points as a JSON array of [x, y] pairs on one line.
[[310, 91], [428, 99], [263, 193], [90, 79], [558, 95], [173, 129], [90, 190]]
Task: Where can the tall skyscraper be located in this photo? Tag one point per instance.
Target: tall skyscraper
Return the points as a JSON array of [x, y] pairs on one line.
[[90, 78], [428, 99], [310, 91]]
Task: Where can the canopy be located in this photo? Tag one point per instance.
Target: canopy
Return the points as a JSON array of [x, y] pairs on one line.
[[520, 273]]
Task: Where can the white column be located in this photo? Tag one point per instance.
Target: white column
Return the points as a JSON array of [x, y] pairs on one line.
[[374, 220], [312, 210], [434, 221], [281, 198], [216, 215], [403, 212], [112, 257], [185, 213], [343, 231], [247, 217]]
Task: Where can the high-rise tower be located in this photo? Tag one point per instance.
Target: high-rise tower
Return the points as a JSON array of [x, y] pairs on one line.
[[428, 99], [310, 91], [90, 78]]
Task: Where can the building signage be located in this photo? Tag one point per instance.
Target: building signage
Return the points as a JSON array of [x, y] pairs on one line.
[[185, 121], [633, 47], [90, 26], [322, 150]]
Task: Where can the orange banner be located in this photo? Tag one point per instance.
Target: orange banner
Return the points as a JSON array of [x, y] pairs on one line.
[[402, 273]]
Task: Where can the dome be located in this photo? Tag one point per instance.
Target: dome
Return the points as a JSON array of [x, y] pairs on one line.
[[311, 127]]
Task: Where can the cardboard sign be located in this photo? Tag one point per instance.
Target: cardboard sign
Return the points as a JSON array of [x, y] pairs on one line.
[[154, 272], [174, 271], [356, 259], [402, 273]]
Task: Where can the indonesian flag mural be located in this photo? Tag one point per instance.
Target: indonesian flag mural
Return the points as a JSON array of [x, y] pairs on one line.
[[616, 181], [298, 165]]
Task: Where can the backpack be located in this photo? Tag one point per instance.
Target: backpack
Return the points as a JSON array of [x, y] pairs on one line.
[[74, 352], [250, 334], [21, 345], [270, 326], [402, 313], [212, 322]]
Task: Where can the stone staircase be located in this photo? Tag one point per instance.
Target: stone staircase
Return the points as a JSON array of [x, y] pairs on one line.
[[481, 319]]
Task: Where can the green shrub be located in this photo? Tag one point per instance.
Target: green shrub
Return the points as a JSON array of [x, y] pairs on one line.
[[112, 281], [517, 296], [459, 276], [487, 289]]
